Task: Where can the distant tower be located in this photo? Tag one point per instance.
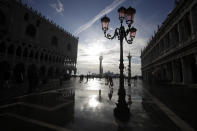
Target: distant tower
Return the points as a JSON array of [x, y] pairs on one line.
[[129, 70], [101, 67]]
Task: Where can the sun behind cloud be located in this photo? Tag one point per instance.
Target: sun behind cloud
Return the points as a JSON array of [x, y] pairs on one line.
[[95, 50]]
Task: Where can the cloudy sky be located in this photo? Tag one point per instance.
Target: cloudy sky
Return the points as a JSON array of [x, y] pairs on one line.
[[82, 18]]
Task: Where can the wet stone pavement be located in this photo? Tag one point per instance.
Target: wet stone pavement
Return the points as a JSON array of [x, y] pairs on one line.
[[78, 107]]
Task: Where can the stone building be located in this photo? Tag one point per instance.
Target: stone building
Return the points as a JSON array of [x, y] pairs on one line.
[[33, 47], [171, 55]]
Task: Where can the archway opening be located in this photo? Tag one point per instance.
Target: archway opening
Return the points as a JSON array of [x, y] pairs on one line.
[[2, 48], [19, 51], [11, 49], [19, 73], [4, 73]]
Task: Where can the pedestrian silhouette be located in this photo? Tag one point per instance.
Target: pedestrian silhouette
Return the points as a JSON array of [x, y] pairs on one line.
[[110, 94]]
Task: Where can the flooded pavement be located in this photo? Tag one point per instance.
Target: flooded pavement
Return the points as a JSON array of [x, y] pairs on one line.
[[77, 106]]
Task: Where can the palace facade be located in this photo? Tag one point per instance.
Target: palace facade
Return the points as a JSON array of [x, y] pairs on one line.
[[171, 55], [33, 48]]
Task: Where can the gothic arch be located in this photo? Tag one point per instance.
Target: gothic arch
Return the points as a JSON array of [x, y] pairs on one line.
[[41, 56], [31, 55], [54, 58], [36, 55], [25, 52], [46, 57], [50, 58], [11, 49], [19, 51]]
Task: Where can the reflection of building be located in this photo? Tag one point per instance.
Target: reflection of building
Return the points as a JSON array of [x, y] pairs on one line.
[[32, 47], [171, 55], [100, 66]]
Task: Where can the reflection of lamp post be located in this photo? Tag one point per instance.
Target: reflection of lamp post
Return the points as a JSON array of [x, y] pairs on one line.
[[121, 112], [129, 70], [100, 66]]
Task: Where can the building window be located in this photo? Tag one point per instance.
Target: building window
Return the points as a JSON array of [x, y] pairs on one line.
[[54, 41], [31, 30], [26, 17], [38, 23], [185, 27], [69, 47], [175, 35], [2, 18], [188, 24]]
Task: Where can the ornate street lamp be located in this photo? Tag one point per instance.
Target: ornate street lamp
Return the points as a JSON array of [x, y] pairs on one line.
[[122, 111]]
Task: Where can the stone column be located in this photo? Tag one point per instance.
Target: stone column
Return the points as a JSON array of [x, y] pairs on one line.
[[195, 58], [173, 72], [186, 70]]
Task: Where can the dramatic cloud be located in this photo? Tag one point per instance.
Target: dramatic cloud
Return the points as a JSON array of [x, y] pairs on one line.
[[59, 7], [106, 10]]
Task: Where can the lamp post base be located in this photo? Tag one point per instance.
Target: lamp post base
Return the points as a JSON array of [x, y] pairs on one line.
[[122, 112]]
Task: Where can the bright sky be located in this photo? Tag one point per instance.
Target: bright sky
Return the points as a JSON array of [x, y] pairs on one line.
[[82, 18]]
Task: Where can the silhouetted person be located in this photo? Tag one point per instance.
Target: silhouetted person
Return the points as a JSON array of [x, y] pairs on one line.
[[111, 82], [87, 78], [110, 94], [81, 78]]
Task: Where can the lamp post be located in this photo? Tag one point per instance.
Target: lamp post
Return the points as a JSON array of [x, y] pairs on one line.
[[121, 111], [129, 70]]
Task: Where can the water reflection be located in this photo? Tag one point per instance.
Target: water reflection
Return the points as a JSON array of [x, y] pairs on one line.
[[93, 85], [93, 102]]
